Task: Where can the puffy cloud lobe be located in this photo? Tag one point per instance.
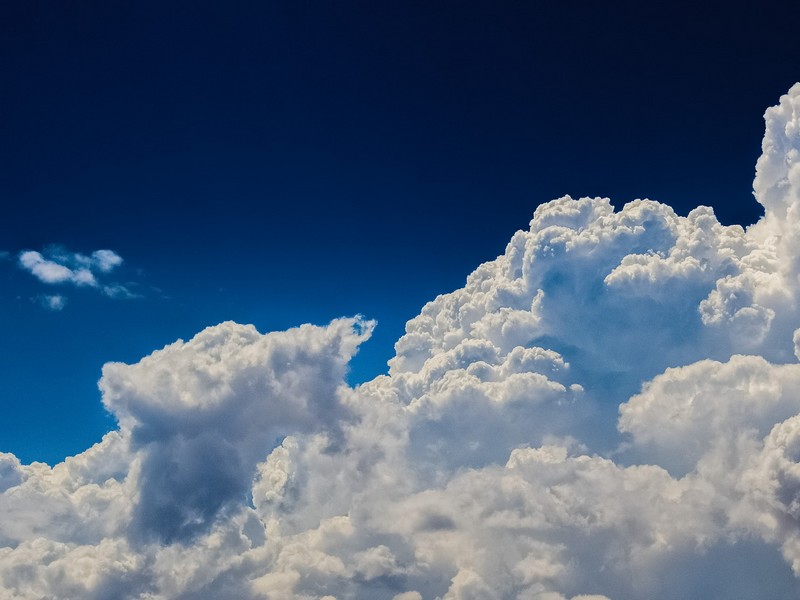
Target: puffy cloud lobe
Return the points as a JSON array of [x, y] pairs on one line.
[[202, 414], [104, 260], [772, 489], [777, 182], [607, 410], [10, 471], [675, 411], [583, 249]]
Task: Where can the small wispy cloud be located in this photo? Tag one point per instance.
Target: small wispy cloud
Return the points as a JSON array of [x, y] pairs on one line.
[[55, 302], [56, 265], [117, 290], [104, 260], [52, 272]]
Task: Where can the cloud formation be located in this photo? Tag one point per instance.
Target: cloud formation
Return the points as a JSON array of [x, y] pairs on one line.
[[57, 266], [607, 410]]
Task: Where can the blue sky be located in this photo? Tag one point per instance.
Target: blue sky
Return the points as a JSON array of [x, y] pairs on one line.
[[282, 163]]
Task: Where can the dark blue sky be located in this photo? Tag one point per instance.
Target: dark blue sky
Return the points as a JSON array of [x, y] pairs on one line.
[[280, 163]]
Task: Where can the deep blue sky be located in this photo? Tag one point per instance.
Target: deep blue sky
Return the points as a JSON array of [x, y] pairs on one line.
[[280, 163]]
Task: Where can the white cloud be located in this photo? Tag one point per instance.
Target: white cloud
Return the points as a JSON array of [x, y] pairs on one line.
[[49, 271], [105, 260], [221, 400], [607, 410], [57, 266]]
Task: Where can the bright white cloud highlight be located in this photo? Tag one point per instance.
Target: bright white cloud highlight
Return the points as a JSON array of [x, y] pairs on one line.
[[607, 410]]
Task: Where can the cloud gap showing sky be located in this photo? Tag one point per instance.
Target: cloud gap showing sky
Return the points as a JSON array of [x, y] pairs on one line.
[[610, 409]]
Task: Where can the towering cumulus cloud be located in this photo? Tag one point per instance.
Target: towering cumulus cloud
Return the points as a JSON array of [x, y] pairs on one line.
[[610, 409]]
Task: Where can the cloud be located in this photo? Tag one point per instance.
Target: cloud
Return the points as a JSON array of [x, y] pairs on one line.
[[105, 260], [58, 266], [607, 410], [50, 271], [55, 302], [222, 399]]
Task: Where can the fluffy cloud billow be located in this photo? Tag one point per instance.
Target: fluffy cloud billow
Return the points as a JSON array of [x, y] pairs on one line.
[[610, 409]]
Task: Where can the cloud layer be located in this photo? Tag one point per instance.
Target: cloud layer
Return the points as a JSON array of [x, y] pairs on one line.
[[610, 409]]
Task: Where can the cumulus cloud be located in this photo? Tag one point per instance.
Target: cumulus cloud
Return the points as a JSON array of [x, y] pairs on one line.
[[58, 266], [607, 410]]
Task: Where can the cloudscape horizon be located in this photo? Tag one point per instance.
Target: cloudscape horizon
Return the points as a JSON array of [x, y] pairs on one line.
[[609, 409]]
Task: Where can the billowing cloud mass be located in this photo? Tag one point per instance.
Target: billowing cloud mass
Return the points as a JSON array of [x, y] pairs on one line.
[[59, 266], [610, 409]]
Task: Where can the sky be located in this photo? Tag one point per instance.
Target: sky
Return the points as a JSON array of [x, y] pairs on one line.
[[283, 163], [219, 220]]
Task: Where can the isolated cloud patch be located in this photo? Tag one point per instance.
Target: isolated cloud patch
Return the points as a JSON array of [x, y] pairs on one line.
[[64, 267], [53, 302], [58, 266], [607, 410]]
